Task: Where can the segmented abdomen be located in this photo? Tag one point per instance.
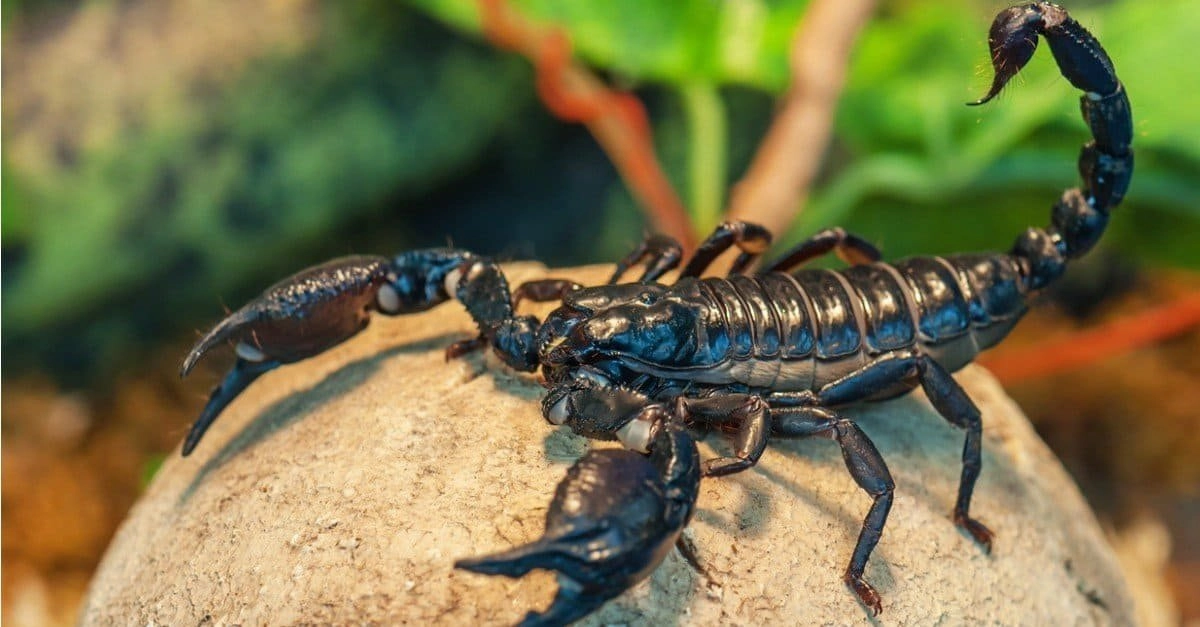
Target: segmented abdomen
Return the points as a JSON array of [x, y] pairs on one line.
[[957, 305], [802, 330]]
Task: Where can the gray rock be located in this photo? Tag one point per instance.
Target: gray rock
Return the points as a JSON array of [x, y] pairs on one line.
[[342, 489]]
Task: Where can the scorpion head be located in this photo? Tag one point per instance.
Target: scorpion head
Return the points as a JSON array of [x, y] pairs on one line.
[[582, 305], [618, 324], [594, 299]]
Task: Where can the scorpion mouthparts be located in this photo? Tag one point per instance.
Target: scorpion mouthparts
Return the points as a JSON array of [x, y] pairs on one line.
[[565, 353]]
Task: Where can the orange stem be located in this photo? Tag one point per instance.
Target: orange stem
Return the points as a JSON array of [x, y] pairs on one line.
[[617, 120], [776, 185], [1092, 345]]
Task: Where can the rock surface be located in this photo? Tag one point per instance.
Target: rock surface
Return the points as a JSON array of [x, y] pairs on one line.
[[341, 490]]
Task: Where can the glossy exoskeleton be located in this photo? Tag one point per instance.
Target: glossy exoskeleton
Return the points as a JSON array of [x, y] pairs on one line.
[[770, 354]]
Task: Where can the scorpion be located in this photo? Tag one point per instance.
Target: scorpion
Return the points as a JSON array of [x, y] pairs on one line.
[[769, 354]]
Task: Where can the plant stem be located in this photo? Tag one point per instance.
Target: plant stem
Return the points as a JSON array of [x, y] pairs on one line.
[[778, 180], [708, 141]]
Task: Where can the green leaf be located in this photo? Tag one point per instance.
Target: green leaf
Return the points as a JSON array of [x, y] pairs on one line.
[[233, 174], [731, 42], [1147, 41]]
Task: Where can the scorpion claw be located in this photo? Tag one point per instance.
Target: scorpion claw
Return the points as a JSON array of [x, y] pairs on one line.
[[227, 328], [301, 315], [240, 376], [613, 520], [294, 319]]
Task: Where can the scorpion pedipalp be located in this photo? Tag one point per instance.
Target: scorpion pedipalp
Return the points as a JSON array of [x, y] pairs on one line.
[[302, 315], [613, 520], [324, 305], [298, 317]]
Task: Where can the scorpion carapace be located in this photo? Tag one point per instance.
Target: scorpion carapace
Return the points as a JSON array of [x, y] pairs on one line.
[[776, 353]]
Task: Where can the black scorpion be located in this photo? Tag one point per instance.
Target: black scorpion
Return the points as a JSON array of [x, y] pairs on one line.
[[770, 354]]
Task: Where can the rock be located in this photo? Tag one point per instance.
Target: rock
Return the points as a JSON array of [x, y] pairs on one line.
[[341, 490]]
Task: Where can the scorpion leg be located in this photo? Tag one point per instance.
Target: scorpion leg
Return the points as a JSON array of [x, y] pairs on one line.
[[749, 413], [752, 239], [661, 254], [543, 291], [946, 396], [867, 467], [952, 402], [613, 520], [849, 247]]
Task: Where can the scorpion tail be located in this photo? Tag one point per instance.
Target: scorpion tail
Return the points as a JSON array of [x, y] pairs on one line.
[[1106, 163], [1014, 37]]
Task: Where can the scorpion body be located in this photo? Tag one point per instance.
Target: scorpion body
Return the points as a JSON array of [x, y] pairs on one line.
[[774, 354], [790, 332]]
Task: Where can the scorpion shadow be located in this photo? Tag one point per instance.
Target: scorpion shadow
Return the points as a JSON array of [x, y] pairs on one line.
[[300, 404]]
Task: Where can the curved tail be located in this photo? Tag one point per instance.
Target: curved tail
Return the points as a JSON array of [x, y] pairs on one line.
[[1106, 163]]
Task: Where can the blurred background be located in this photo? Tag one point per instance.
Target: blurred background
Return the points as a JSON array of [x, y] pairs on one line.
[[164, 160]]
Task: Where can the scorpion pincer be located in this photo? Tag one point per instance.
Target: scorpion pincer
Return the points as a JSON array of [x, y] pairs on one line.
[[770, 354]]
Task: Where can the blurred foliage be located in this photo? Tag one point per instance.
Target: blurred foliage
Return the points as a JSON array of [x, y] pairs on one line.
[[120, 188], [205, 180], [743, 42], [132, 206], [907, 149], [915, 155]]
